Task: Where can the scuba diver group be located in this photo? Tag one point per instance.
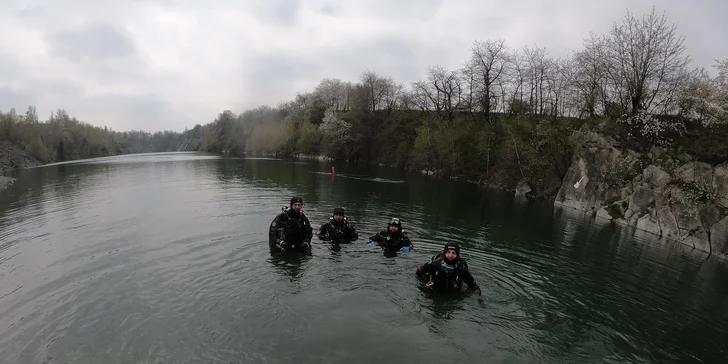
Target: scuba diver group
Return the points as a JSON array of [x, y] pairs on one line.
[[291, 231]]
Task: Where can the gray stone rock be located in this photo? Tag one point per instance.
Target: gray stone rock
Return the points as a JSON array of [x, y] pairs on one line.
[[649, 223], [672, 198], [522, 188], [626, 192], [656, 152], [719, 237], [709, 215], [655, 176], [684, 157], [695, 173], [698, 240], [603, 213], [702, 241], [687, 217], [668, 223], [628, 215], [596, 172], [641, 199], [720, 184], [5, 182]]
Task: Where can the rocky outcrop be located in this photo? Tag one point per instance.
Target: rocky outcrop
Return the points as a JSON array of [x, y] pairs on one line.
[[663, 192], [523, 188], [5, 182], [13, 157]]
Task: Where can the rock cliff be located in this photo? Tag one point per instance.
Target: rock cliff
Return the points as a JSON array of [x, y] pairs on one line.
[[662, 191]]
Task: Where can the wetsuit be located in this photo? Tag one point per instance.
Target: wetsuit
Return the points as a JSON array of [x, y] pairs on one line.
[[447, 276], [390, 240], [337, 232], [290, 230], [393, 240]]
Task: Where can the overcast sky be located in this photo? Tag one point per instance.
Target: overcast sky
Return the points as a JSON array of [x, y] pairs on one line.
[[166, 65]]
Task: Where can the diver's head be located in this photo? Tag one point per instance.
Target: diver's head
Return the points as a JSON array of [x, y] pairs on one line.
[[296, 204], [339, 214], [452, 251], [395, 225]]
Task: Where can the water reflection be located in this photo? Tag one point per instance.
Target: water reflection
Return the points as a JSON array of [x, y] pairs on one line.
[[290, 265], [174, 251]]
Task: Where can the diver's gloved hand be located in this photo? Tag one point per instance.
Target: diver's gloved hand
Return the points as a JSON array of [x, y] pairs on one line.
[[405, 249], [283, 246], [370, 244], [305, 244]]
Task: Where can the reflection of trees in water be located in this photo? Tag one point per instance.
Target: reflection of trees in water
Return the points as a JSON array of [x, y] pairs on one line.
[[571, 282], [50, 188], [432, 210]]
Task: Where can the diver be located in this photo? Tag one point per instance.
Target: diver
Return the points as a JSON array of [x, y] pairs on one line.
[[338, 230], [393, 238], [290, 230], [449, 272]]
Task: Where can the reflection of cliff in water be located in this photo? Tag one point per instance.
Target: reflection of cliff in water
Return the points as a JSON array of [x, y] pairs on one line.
[[576, 295]]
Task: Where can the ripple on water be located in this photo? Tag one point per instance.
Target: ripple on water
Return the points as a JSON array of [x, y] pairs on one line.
[[163, 261]]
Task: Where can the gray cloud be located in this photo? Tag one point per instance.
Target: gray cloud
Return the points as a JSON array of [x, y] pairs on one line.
[[169, 64], [96, 41], [137, 112], [328, 9], [283, 11], [19, 99], [9, 68], [61, 87]]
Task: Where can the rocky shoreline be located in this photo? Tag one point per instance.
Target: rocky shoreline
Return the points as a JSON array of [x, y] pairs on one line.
[[5, 182], [13, 157], [665, 192]]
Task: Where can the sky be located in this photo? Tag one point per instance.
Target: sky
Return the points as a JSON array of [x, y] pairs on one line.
[[170, 64]]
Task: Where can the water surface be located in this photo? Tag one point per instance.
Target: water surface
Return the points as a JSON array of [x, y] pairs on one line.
[[163, 258]]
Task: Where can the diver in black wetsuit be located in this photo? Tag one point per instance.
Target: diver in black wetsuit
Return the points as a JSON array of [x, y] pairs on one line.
[[449, 272], [290, 230], [337, 230], [393, 238]]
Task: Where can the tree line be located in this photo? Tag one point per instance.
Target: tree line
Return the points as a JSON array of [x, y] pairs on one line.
[[63, 138], [504, 115]]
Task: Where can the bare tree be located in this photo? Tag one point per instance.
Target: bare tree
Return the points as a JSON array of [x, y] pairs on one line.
[[393, 96], [447, 89], [590, 74], [560, 79], [646, 61], [468, 75], [490, 59], [537, 72], [519, 74], [376, 88], [424, 96], [333, 93]]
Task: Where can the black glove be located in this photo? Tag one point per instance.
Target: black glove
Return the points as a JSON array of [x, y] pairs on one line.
[[284, 245], [305, 244]]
